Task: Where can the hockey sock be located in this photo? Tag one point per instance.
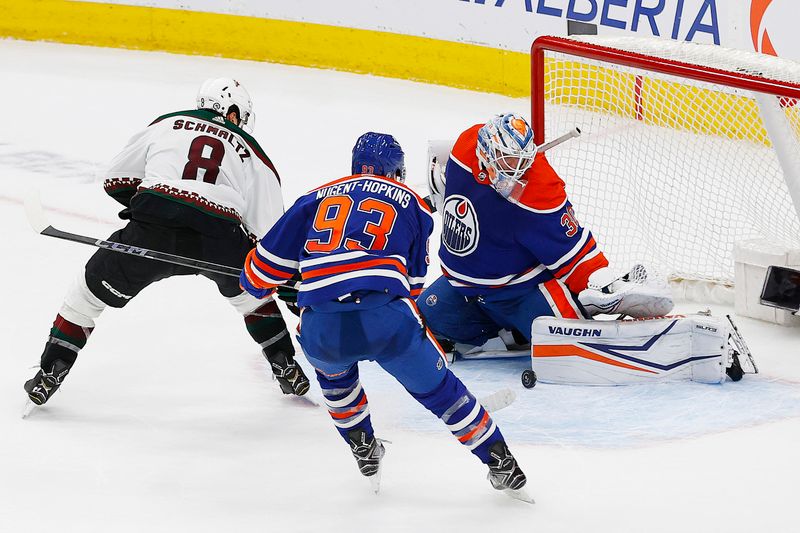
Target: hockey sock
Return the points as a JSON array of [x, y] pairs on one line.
[[65, 341], [346, 401], [268, 329], [464, 416]]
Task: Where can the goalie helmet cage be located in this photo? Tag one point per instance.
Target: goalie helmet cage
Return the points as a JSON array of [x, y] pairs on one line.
[[686, 148]]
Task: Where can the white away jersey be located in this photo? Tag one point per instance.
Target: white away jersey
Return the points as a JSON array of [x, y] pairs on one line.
[[198, 158]]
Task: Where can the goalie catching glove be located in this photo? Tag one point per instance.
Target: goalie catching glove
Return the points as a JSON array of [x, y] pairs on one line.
[[630, 295]]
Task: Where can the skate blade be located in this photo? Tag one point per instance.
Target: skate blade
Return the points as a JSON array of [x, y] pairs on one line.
[[519, 494], [29, 408], [375, 481], [303, 401]]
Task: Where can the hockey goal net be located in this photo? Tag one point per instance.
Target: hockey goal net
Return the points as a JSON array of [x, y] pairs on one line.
[[686, 148]]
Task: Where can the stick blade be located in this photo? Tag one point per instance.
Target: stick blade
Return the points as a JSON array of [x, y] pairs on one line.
[[498, 400], [34, 211]]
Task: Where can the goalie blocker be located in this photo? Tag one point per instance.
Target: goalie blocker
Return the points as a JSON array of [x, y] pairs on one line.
[[619, 352]]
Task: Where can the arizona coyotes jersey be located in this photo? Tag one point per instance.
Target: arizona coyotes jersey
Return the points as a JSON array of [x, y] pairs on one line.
[[489, 243], [359, 233], [198, 158]]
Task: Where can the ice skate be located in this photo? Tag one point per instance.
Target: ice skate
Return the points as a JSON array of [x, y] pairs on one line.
[[368, 452], [505, 474], [44, 384], [290, 376], [740, 359]]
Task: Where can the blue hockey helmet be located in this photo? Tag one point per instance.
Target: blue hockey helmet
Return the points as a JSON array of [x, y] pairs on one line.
[[379, 154]]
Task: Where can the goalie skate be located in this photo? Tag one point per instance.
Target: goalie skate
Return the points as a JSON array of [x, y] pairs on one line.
[[740, 359]]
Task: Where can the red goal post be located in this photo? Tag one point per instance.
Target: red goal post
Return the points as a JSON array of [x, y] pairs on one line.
[[686, 150]]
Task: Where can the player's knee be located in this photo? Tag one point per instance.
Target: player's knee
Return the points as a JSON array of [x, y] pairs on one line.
[[81, 305], [439, 398], [110, 293], [245, 303]]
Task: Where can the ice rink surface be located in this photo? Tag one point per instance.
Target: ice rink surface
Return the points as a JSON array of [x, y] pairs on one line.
[[170, 421]]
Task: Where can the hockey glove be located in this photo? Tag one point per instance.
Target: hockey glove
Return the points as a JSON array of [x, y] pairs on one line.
[[631, 295], [245, 284], [288, 293]]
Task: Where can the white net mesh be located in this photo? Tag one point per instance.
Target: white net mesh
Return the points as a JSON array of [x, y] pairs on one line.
[[670, 171]]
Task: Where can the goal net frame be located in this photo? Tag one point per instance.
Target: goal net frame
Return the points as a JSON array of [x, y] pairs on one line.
[[594, 49]]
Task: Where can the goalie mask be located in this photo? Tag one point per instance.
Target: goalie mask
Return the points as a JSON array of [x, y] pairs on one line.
[[379, 154], [221, 94], [506, 150]]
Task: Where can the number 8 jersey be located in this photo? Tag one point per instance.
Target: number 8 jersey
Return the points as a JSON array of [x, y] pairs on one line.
[[359, 233], [200, 159]]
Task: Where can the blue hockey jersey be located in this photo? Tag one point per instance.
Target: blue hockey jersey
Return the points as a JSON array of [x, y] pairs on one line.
[[489, 242], [359, 233]]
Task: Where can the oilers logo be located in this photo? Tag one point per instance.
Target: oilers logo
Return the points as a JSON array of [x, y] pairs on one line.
[[459, 225]]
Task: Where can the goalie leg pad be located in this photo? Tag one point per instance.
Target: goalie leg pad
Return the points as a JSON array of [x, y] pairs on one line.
[[619, 352]]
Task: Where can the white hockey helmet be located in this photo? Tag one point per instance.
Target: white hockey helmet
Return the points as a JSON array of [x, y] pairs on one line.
[[506, 150], [220, 94]]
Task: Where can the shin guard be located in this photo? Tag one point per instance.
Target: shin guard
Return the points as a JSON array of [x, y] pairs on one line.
[[346, 402], [464, 416]]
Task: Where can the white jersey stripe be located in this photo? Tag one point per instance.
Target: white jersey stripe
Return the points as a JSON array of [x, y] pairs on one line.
[[587, 257], [529, 276], [569, 255], [275, 259], [568, 296], [265, 278], [550, 302], [505, 280], [347, 256], [478, 281], [459, 163], [312, 285]]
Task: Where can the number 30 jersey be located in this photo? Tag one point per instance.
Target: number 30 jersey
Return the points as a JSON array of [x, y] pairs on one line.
[[200, 159], [359, 233]]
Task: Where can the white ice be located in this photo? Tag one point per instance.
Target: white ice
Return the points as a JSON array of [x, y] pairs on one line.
[[170, 422]]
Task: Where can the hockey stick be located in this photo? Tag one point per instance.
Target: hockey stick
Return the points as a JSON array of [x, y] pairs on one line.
[[575, 132], [498, 400], [40, 224]]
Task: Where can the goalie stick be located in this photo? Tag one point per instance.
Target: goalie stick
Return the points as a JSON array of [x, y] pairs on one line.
[[571, 134], [40, 224]]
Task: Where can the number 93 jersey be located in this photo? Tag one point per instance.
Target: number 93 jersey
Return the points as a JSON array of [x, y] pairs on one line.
[[198, 158], [359, 233]]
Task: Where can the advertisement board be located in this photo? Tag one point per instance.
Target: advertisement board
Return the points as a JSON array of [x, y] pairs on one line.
[[764, 25]]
